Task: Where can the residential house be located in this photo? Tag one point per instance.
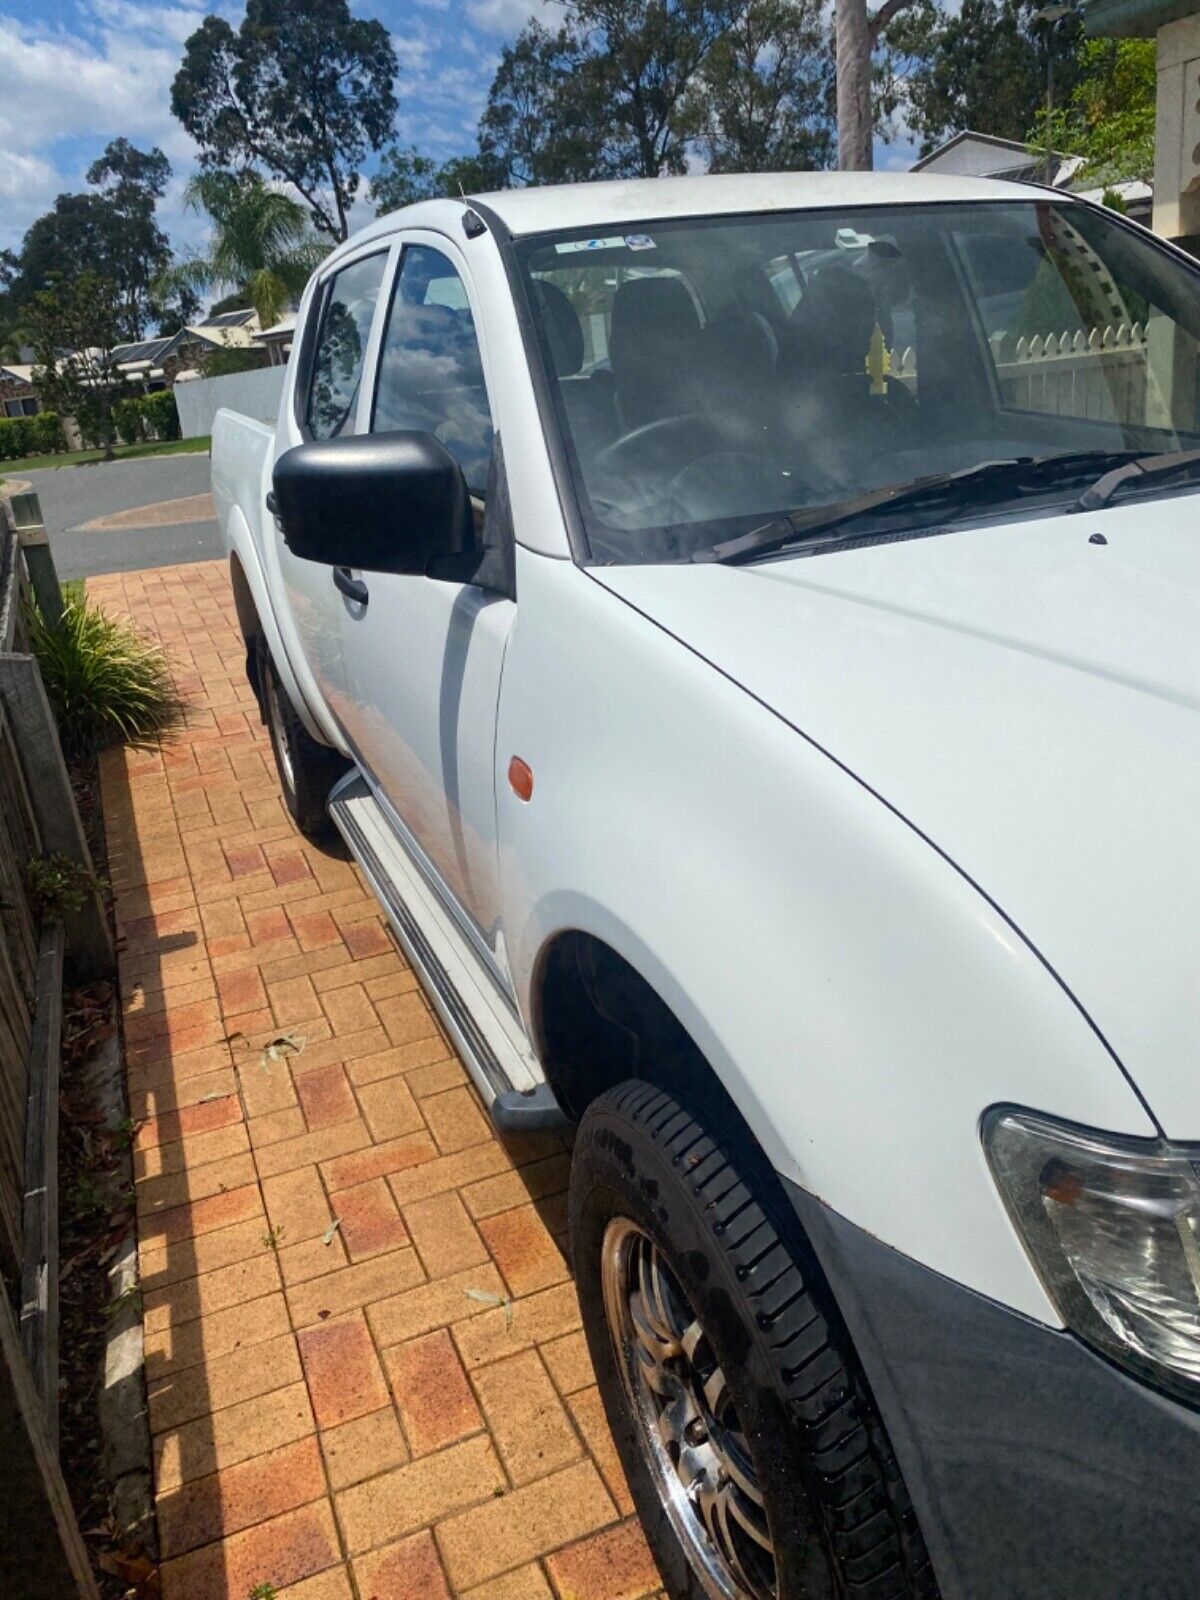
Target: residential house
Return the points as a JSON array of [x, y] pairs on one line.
[[277, 340], [1176, 26], [983, 155], [158, 363], [18, 398]]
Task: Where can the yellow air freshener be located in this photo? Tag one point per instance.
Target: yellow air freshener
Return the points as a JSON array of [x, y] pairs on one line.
[[878, 361]]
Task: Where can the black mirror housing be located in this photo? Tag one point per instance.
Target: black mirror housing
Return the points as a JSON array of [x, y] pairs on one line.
[[383, 502]]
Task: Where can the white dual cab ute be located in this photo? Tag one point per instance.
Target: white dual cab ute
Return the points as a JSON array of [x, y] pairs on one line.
[[747, 630]]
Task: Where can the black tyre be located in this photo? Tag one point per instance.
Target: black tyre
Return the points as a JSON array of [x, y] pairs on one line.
[[754, 1455], [307, 769]]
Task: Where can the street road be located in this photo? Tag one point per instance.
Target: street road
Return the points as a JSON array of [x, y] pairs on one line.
[[152, 514]]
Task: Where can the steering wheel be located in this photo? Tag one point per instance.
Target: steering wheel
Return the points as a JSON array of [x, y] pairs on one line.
[[658, 447], [728, 483]]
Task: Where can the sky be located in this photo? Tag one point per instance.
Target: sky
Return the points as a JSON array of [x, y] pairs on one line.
[[76, 73]]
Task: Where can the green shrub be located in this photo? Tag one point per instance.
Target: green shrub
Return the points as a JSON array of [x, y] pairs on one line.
[[48, 436], [88, 420], [58, 885], [105, 681], [223, 363], [16, 437], [127, 419], [161, 413]]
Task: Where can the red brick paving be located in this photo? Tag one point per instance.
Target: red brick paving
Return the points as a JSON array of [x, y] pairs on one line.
[[335, 1409]]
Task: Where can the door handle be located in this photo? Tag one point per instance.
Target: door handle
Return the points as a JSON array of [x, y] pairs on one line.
[[353, 588]]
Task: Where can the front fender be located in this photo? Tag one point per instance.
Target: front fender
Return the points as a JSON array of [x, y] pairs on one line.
[[858, 996]]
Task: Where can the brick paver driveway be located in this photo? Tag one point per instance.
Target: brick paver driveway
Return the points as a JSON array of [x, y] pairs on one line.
[[367, 1379]]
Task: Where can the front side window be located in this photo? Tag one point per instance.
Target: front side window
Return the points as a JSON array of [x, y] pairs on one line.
[[430, 369], [341, 347], [712, 374]]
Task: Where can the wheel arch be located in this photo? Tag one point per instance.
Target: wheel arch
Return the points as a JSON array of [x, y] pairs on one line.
[[597, 1020], [248, 622]]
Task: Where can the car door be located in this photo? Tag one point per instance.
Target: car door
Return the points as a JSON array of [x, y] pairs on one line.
[[423, 656], [327, 403]]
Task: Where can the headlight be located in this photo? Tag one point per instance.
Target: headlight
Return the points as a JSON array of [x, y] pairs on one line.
[[1113, 1227]]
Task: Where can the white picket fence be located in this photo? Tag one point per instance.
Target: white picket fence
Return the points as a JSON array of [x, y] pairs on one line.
[[1100, 374]]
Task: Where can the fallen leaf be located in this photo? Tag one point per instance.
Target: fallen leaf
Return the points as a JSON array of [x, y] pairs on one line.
[[284, 1044], [327, 1236], [485, 1297], [129, 1568]]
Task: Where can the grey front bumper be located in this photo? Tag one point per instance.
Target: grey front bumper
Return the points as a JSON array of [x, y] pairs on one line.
[[1039, 1471]]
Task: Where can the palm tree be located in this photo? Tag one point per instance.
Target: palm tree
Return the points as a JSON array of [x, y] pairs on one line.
[[262, 245]]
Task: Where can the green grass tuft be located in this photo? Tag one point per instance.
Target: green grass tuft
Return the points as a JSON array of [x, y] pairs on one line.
[[106, 682]]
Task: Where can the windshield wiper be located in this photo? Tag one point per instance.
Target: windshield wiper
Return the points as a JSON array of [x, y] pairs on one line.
[[968, 486], [1161, 466]]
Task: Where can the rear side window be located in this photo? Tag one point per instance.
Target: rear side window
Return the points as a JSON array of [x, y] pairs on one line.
[[430, 369], [341, 347]]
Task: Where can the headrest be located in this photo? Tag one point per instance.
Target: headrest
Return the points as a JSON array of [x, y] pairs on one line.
[[836, 312], [648, 313], [742, 344], [563, 330]]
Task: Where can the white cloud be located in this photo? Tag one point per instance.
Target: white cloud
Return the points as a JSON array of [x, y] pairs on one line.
[[508, 16], [412, 51], [111, 77], [167, 22], [897, 157], [57, 87], [27, 181]]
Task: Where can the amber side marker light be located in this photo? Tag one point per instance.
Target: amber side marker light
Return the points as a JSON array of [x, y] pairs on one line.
[[520, 779]]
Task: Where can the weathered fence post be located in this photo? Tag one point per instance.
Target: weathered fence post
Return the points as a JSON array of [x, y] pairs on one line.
[[42, 1554], [39, 1269], [31, 530], [89, 941]]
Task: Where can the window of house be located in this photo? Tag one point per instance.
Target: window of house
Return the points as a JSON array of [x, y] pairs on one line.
[[341, 347], [430, 369]]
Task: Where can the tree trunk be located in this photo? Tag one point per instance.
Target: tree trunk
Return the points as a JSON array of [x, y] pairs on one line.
[[853, 42]]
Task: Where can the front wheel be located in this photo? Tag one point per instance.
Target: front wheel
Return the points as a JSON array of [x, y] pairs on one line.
[[754, 1455]]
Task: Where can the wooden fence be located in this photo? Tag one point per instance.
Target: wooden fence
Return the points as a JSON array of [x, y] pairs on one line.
[[1102, 374], [20, 843], [41, 1552]]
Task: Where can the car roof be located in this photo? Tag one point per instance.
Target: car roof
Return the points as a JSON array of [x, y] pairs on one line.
[[580, 205], [630, 200], [644, 200]]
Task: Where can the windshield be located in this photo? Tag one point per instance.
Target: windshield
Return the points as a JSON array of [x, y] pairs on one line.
[[715, 373]]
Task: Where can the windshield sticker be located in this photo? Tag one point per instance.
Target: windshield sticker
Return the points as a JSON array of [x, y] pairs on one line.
[[639, 241], [574, 245]]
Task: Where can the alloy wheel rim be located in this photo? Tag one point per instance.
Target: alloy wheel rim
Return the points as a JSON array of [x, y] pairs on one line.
[[688, 1426], [283, 747]]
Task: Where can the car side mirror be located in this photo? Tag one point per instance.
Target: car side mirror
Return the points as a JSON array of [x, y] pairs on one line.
[[383, 502]]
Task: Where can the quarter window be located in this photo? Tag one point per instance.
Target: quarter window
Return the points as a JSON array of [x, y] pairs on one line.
[[430, 369], [342, 346]]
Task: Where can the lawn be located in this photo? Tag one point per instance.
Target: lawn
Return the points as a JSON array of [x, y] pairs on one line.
[[124, 452]]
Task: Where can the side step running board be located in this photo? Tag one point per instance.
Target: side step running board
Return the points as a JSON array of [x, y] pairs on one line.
[[477, 1015]]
